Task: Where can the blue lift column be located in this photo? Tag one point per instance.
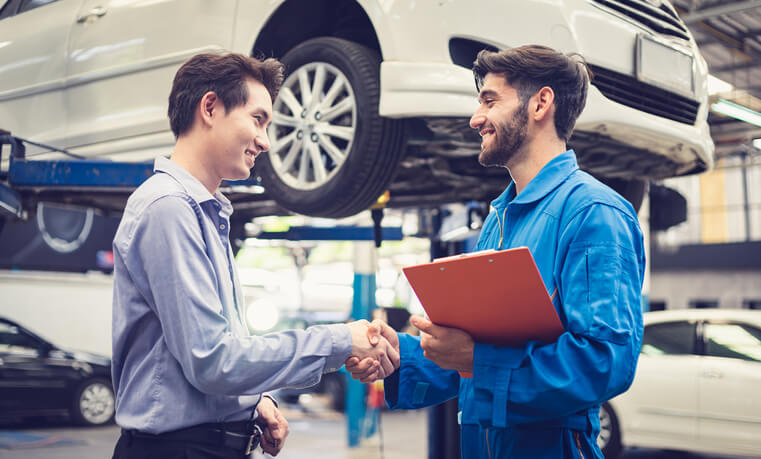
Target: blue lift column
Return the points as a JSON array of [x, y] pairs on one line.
[[365, 265]]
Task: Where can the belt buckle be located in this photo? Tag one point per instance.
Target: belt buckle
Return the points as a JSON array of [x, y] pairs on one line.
[[253, 440]]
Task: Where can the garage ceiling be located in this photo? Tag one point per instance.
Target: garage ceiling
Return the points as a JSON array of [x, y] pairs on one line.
[[728, 33]]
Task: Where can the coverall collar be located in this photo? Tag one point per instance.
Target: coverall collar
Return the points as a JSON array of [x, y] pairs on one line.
[[552, 174]]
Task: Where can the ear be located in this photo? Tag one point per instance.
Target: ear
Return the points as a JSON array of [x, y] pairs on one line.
[[544, 104], [208, 108]]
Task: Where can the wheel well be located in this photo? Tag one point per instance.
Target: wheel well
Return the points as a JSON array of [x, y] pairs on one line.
[[296, 21], [614, 415]]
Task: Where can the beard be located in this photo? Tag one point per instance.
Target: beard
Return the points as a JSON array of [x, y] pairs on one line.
[[509, 139]]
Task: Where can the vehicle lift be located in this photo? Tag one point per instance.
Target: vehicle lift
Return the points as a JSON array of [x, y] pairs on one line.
[[25, 182]]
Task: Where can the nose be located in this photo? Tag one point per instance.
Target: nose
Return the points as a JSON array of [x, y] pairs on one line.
[[477, 120], [262, 142]]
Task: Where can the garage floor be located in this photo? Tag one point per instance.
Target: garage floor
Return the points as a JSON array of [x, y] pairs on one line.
[[315, 434]]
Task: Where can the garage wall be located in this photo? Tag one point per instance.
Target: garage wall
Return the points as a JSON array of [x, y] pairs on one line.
[[71, 310], [728, 289]]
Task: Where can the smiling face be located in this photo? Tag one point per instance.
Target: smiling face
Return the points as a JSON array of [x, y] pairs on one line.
[[502, 121], [240, 135]]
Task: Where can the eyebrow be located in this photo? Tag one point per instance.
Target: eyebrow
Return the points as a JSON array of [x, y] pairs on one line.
[[485, 93]]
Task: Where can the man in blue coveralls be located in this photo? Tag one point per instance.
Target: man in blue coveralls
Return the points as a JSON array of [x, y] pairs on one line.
[[538, 400]]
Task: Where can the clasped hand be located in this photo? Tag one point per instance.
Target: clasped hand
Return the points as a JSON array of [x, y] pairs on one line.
[[449, 348], [375, 350]]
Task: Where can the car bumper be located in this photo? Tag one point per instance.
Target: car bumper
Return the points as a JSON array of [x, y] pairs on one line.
[[423, 81]]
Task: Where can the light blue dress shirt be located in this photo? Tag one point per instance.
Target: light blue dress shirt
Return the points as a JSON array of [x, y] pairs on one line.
[[182, 354]]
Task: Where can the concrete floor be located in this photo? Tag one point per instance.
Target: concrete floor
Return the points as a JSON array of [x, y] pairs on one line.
[[316, 433]]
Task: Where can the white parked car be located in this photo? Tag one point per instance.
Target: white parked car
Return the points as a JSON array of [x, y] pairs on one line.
[[697, 387], [379, 92]]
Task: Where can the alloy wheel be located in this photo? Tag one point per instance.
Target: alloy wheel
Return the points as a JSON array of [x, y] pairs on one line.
[[313, 125], [96, 403]]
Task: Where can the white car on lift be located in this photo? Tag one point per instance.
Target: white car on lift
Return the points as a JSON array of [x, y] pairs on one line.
[[696, 387], [378, 95]]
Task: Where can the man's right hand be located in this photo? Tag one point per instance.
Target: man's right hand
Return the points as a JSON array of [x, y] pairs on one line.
[[380, 358], [366, 369]]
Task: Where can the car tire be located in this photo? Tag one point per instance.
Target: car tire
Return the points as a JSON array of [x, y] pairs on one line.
[[335, 156], [94, 403], [609, 439], [633, 190]]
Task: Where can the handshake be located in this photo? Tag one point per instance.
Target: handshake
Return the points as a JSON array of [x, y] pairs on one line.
[[374, 350]]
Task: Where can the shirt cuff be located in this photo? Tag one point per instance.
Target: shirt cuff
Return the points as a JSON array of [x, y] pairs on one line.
[[271, 398], [341, 338]]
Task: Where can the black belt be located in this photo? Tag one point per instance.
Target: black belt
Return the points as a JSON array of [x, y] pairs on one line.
[[243, 436]]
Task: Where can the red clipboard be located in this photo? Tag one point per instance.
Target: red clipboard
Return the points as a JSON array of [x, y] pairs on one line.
[[498, 297]]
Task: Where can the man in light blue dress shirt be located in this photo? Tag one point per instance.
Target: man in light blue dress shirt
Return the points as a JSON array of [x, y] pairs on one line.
[[188, 376]]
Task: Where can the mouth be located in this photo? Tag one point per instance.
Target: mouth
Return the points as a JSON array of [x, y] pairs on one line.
[[250, 156], [486, 132]]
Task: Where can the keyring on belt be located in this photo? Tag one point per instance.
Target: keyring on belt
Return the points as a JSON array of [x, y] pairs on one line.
[[254, 439]]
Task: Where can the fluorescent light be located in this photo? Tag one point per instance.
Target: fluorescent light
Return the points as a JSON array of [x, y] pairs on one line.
[[737, 111], [757, 144], [718, 86], [455, 234]]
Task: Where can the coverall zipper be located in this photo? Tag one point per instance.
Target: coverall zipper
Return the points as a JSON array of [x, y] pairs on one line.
[[578, 443], [488, 448], [501, 232]]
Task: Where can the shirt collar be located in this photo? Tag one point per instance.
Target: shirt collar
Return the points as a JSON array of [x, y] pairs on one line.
[[192, 185], [549, 177]]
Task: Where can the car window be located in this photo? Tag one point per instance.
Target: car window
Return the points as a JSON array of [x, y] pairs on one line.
[[731, 340], [14, 341], [672, 338], [7, 8], [27, 5]]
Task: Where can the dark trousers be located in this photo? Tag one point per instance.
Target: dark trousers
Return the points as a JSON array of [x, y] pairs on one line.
[[176, 445]]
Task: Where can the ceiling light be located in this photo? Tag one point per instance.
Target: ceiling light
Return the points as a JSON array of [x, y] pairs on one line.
[[737, 111], [718, 86]]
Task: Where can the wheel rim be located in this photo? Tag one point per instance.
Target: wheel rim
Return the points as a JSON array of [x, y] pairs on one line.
[[96, 403], [313, 126], [606, 429]]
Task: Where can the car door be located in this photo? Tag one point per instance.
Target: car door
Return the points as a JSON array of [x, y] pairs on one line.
[[123, 57], [660, 409], [730, 381], [27, 383], [33, 38]]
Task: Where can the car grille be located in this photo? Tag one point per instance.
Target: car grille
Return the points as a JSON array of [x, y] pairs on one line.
[[628, 91], [661, 19]]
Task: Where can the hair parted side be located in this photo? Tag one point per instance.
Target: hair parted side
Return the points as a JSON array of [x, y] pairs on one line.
[[223, 74], [530, 68]]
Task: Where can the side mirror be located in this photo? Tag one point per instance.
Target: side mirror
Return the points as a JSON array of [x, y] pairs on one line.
[[44, 348]]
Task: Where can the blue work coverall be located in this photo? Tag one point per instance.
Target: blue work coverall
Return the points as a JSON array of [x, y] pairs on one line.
[[543, 400]]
